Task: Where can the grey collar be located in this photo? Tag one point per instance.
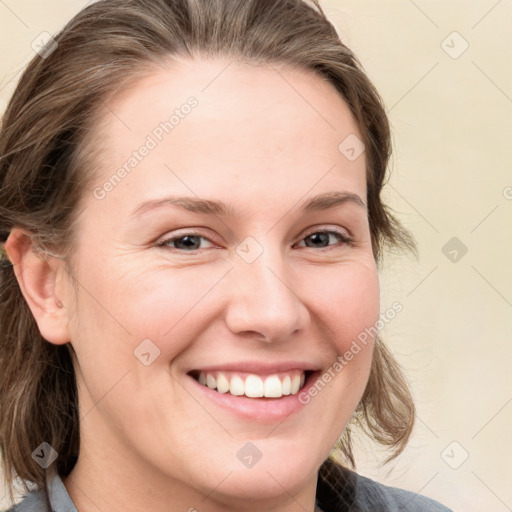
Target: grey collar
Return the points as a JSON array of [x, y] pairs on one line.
[[59, 497]]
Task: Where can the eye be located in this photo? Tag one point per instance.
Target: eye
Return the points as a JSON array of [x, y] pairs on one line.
[[320, 239], [187, 242]]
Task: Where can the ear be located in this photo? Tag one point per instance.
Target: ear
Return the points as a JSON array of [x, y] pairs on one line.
[[42, 281]]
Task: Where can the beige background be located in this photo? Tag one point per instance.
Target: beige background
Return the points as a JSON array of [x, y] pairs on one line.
[[452, 177]]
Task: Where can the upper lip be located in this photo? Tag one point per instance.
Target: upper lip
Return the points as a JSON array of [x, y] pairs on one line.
[[259, 368]]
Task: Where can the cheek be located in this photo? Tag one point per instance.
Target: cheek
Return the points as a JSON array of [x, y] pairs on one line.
[[123, 306], [349, 303], [120, 306]]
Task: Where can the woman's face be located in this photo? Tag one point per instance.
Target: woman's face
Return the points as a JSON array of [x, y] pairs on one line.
[[198, 257]]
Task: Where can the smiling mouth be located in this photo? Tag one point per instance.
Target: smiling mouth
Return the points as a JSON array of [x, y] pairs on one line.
[[251, 385]]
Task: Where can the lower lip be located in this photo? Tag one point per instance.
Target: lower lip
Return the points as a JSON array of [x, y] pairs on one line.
[[257, 409]]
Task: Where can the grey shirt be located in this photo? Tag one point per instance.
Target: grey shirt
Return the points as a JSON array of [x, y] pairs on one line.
[[351, 493]]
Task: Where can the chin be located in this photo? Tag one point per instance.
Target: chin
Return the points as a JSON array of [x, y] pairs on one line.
[[268, 473], [262, 483]]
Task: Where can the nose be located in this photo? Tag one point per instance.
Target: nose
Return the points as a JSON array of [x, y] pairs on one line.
[[263, 303]]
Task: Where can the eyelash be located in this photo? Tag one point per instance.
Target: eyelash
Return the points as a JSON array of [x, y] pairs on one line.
[[343, 237]]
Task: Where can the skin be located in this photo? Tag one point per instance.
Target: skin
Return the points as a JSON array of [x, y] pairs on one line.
[[149, 439]]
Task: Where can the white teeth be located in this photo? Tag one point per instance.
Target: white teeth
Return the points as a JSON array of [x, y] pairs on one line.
[[222, 383], [253, 386], [273, 386], [287, 385], [295, 384], [237, 386], [210, 381]]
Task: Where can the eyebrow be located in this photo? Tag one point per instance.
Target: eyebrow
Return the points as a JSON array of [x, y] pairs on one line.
[[197, 205]]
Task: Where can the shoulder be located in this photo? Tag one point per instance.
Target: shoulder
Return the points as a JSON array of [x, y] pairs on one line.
[[371, 495], [340, 489], [30, 502], [35, 501]]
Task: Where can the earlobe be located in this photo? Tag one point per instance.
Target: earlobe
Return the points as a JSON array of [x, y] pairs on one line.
[[39, 277]]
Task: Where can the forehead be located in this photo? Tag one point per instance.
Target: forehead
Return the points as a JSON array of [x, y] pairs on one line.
[[250, 126]]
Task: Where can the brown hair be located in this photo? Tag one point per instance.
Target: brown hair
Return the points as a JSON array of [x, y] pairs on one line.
[[43, 173]]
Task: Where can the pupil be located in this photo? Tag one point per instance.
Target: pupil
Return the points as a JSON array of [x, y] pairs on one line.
[[318, 237], [188, 242]]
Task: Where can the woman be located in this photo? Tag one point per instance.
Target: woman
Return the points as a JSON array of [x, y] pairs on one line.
[[192, 218]]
